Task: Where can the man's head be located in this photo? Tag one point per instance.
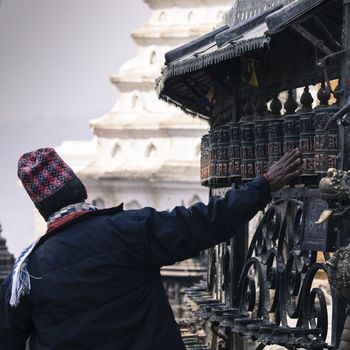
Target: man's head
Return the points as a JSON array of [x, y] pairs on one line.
[[49, 181]]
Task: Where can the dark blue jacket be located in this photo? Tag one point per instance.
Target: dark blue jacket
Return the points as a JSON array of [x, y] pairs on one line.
[[96, 282]]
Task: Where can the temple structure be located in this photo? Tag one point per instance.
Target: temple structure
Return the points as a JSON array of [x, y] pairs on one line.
[[6, 259], [145, 152]]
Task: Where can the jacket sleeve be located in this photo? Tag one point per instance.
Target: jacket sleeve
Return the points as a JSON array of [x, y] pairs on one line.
[[15, 322], [183, 233]]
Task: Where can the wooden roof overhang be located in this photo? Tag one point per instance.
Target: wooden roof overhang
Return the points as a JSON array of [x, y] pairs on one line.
[[286, 46]]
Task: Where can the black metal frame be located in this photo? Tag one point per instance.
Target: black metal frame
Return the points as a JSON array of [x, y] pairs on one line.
[[264, 292]]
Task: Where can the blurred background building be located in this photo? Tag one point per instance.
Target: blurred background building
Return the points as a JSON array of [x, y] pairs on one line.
[[145, 152], [6, 259]]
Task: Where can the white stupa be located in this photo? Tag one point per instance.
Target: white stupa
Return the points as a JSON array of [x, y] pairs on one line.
[[145, 152]]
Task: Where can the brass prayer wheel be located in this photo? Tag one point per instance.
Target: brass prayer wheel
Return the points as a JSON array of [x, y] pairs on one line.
[[247, 142], [326, 141], [205, 160], [291, 124], [261, 146], [234, 153], [307, 133], [219, 163], [275, 145], [261, 134], [247, 151]]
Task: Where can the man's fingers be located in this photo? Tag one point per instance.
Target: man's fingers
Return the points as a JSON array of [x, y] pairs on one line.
[[292, 161], [289, 158], [287, 155], [292, 175], [296, 164], [285, 169], [292, 156]]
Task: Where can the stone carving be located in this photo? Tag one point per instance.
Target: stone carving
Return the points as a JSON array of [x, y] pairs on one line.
[[339, 271], [336, 185], [335, 189]]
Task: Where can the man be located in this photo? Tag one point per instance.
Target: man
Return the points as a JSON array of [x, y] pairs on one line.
[[93, 280]]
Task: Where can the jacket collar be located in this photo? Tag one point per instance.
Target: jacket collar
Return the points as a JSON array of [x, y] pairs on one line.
[[79, 216]]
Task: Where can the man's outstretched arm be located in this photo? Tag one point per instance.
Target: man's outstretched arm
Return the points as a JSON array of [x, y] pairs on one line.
[[183, 233]]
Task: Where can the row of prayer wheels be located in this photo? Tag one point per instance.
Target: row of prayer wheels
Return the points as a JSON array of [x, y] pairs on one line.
[[240, 151]]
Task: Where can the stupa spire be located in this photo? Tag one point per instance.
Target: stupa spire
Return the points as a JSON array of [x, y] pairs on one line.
[[6, 259]]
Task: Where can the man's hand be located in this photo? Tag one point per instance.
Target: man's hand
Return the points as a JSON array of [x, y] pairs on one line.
[[286, 169]]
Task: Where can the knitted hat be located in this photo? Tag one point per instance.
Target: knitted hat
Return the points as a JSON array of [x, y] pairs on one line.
[[49, 181]]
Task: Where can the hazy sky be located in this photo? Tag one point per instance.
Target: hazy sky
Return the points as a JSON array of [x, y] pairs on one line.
[[56, 58]]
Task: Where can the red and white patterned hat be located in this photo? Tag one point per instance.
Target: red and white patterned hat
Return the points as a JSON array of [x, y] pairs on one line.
[[49, 181]]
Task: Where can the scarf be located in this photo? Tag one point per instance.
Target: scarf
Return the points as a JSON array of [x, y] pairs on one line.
[[20, 279]]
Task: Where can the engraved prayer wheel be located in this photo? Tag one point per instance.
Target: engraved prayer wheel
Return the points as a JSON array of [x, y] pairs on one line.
[[307, 134], [291, 124], [205, 160], [211, 160], [261, 134], [247, 143], [247, 151], [326, 141], [234, 153], [275, 141], [219, 169]]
